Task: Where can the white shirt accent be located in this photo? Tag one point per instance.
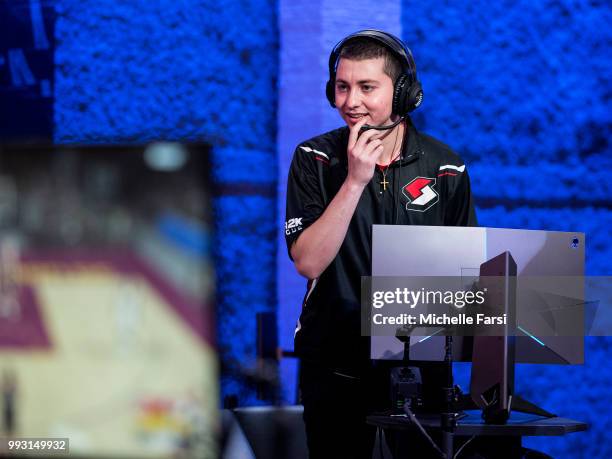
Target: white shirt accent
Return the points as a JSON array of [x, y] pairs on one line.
[[455, 168], [299, 325], [314, 283], [297, 328], [316, 152]]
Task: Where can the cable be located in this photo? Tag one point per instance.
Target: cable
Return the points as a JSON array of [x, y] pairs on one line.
[[380, 440], [399, 173], [463, 446], [414, 419], [397, 177]]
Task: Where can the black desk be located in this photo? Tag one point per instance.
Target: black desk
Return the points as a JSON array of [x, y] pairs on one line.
[[506, 436]]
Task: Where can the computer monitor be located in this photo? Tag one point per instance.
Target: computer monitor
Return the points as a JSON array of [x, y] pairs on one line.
[[460, 251]]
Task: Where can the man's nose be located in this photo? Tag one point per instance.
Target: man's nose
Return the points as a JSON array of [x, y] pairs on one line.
[[353, 98]]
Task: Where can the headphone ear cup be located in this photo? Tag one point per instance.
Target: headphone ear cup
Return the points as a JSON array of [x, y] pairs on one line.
[[415, 96], [330, 92], [400, 95], [406, 97]]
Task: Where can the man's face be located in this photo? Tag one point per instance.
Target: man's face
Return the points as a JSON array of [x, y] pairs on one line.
[[363, 89]]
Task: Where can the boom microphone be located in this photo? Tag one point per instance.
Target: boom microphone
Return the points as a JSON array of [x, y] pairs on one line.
[[367, 127]]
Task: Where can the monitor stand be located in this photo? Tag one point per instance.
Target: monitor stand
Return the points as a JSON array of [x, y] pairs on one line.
[[493, 357]]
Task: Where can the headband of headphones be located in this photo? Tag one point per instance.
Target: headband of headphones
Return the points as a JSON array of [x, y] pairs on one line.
[[408, 93], [388, 40]]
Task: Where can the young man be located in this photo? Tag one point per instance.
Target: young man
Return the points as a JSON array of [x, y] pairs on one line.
[[340, 184]]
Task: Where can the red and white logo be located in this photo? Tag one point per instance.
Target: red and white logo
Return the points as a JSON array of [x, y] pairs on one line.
[[421, 194]]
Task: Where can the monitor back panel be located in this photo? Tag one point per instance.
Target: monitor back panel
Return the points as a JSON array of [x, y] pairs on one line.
[[399, 250]]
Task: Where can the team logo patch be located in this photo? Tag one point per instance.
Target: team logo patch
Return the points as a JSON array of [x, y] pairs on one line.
[[421, 194]]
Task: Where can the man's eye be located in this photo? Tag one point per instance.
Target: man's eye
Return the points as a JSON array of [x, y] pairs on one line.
[[341, 87], [367, 88]]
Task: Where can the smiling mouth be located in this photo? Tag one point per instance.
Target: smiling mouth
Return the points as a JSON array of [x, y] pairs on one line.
[[356, 116]]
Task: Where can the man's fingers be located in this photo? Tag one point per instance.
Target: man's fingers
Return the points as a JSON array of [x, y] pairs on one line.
[[377, 152], [354, 133], [363, 151], [373, 148], [366, 138]]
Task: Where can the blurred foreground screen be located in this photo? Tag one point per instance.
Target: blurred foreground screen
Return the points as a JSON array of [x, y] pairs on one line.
[[107, 299]]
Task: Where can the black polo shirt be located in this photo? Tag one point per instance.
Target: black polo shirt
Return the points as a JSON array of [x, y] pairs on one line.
[[427, 185]]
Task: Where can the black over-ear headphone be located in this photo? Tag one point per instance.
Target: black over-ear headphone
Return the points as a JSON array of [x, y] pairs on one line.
[[407, 92]]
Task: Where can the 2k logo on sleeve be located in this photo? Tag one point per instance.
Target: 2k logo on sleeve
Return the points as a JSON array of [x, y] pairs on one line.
[[293, 225], [421, 194]]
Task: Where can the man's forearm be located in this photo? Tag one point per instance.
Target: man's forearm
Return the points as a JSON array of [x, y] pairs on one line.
[[318, 244]]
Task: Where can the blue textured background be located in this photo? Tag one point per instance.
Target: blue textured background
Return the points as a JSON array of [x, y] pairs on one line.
[[193, 71], [522, 91]]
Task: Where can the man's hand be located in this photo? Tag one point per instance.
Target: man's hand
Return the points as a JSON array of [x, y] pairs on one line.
[[318, 244], [363, 151]]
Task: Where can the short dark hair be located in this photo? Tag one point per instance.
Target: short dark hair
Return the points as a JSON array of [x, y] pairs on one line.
[[361, 48]]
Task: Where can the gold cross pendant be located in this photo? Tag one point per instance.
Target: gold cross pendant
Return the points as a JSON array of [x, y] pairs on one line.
[[384, 183]]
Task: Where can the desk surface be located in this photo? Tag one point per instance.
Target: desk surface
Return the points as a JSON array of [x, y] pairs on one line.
[[519, 424]]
